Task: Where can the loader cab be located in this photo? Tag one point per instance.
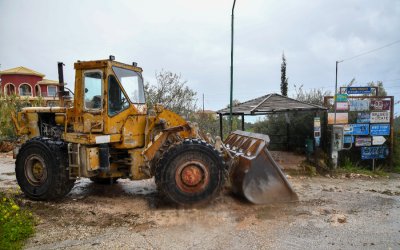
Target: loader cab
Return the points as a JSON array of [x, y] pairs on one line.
[[106, 94]]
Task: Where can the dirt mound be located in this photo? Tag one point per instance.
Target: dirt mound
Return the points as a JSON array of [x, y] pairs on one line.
[[6, 146]]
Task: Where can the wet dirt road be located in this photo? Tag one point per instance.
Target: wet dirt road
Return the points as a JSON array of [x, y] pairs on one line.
[[333, 213]]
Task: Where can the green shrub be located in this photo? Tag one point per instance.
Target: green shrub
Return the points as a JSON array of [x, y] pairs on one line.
[[9, 104], [16, 223]]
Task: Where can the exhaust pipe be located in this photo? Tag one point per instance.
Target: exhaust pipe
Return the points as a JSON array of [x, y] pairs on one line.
[[61, 83]]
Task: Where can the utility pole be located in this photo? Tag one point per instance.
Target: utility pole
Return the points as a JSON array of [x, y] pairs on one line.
[[203, 103], [231, 96]]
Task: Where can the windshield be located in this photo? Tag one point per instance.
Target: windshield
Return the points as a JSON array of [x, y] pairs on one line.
[[132, 83]]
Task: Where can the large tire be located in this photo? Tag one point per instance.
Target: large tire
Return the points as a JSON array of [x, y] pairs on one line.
[[190, 173], [41, 169]]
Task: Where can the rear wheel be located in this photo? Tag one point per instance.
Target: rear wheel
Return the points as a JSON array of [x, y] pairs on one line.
[[41, 169], [190, 173]]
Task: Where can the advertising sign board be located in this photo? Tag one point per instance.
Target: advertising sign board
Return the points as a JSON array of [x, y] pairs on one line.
[[342, 106], [359, 90], [374, 152], [380, 129], [363, 141], [348, 139], [341, 118], [363, 118], [360, 129], [380, 117], [359, 105], [341, 97], [317, 122], [348, 130], [380, 105]]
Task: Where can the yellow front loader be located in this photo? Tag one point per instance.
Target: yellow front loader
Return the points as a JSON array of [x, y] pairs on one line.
[[108, 133]]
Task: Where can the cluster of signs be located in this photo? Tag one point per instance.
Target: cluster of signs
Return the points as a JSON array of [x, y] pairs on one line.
[[372, 122]]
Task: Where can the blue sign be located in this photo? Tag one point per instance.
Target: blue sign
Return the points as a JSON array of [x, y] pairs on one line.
[[380, 129], [363, 118], [375, 152], [359, 90], [348, 139], [360, 129]]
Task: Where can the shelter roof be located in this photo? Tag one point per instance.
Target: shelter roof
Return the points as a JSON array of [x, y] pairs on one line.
[[271, 103]]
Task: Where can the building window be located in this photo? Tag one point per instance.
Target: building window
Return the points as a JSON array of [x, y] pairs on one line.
[[51, 91], [25, 90], [37, 90], [9, 89]]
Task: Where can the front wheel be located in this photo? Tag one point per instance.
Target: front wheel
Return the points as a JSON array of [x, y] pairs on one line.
[[41, 169], [190, 173]]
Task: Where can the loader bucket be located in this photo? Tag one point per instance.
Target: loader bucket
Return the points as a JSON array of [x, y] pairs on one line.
[[254, 174]]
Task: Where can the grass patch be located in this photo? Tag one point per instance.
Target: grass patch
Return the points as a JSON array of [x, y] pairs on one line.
[[349, 167], [16, 223]]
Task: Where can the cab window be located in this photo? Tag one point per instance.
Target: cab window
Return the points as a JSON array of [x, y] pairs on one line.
[[93, 97], [117, 102]]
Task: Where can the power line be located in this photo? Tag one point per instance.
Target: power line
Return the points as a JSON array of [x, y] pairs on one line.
[[370, 51]]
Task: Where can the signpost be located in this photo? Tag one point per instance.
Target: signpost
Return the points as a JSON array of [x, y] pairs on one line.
[[380, 117], [363, 141], [378, 140], [360, 129], [371, 121], [363, 118], [348, 139], [359, 90], [359, 105], [380, 104], [341, 97], [342, 106], [374, 152], [380, 129]]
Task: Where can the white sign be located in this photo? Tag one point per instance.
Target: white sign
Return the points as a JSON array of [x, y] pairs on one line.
[[359, 105], [380, 117], [378, 140], [342, 106]]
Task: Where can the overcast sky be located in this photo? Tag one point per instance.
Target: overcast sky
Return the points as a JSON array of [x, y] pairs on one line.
[[193, 38]]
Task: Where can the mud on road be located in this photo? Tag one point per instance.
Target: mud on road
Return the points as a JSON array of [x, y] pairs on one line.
[[333, 213]]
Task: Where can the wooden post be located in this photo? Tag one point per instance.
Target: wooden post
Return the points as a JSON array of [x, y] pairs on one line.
[[242, 122]]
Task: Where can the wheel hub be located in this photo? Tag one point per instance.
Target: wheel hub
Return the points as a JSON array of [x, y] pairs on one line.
[[191, 175], [35, 170]]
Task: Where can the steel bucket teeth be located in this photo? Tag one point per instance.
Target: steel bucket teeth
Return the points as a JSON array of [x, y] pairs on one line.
[[254, 174]]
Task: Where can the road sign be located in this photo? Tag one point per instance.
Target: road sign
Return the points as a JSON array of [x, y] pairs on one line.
[[363, 141], [380, 129], [348, 130], [342, 106], [317, 122], [380, 105], [359, 90], [360, 129], [378, 140], [348, 139], [341, 118], [341, 97], [374, 152], [380, 117], [359, 105], [363, 118]]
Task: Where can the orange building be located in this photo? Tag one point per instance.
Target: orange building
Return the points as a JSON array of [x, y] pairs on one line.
[[29, 84]]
